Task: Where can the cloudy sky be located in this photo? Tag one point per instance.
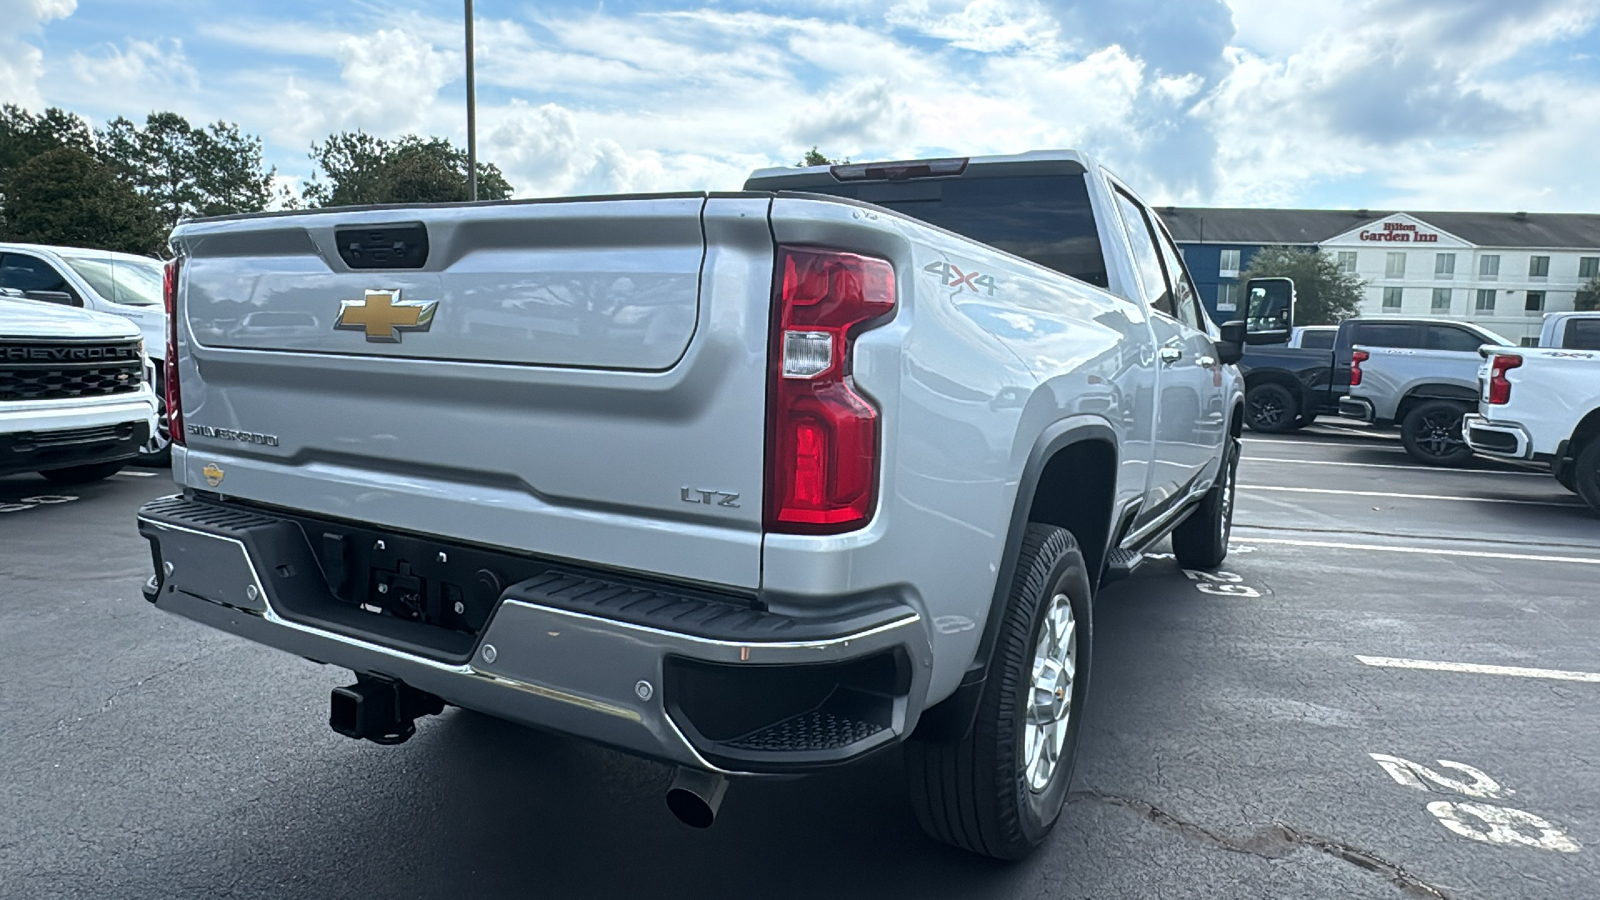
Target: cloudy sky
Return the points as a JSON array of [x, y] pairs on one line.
[[1422, 104]]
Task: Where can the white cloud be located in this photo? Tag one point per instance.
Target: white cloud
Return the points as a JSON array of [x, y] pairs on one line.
[[21, 63]]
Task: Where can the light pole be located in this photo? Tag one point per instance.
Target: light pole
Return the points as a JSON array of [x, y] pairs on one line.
[[472, 116]]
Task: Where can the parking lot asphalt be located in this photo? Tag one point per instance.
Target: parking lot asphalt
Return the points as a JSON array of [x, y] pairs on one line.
[[1389, 690]]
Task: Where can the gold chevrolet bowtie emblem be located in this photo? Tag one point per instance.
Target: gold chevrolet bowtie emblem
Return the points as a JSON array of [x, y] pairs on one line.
[[382, 315]]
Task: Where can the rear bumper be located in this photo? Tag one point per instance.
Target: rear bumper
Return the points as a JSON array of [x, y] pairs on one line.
[[1506, 439], [654, 669], [1356, 408]]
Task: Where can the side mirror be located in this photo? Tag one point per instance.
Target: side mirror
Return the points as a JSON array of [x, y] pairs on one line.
[[1230, 347], [1269, 310], [59, 297]]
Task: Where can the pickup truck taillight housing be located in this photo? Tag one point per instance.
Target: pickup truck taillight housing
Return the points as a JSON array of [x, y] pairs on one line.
[[169, 298], [1499, 387], [822, 436], [1356, 359]]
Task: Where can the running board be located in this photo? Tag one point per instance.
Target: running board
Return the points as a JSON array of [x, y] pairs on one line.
[[1120, 564]]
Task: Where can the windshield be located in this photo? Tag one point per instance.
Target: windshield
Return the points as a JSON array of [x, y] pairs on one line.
[[125, 281], [1047, 220]]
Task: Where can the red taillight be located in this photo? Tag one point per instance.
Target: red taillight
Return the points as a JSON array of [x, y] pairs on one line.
[[1356, 359], [169, 296], [822, 437], [1499, 387]]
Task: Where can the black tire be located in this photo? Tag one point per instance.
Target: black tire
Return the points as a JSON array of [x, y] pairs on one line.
[[1201, 541], [1431, 433], [1586, 474], [1568, 478], [1271, 409], [84, 474], [157, 454], [975, 793]]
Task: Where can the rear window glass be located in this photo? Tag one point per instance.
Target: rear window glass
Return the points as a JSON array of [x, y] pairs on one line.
[[1374, 335], [1318, 340], [1582, 334], [1443, 337], [1045, 220]]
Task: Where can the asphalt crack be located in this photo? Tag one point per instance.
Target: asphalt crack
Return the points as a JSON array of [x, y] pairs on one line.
[[1275, 842]]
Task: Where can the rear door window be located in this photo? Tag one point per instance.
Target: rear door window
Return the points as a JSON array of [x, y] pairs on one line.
[[1375, 334], [1448, 337], [1582, 334], [1152, 274]]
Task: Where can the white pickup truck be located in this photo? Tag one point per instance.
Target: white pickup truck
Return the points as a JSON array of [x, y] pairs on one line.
[[1542, 404], [1571, 331], [76, 402]]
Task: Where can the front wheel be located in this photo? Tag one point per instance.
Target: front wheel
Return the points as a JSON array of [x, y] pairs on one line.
[[1586, 474], [1201, 541], [1271, 409], [1431, 434], [157, 451], [998, 790]]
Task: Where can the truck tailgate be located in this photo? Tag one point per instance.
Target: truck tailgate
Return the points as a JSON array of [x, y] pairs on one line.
[[567, 378]]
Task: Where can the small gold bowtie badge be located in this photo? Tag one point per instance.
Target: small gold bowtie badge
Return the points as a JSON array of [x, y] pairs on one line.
[[213, 474], [382, 315]]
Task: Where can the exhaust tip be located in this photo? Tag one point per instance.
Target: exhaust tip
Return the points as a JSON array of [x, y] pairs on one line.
[[695, 796]]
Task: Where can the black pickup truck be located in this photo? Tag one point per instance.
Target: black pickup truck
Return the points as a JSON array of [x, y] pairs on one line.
[[1287, 387]]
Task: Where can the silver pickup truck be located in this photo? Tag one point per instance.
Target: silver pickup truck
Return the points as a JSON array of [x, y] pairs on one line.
[[750, 483], [1424, 390]]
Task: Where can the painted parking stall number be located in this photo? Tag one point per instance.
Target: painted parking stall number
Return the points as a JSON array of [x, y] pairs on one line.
[[1485, 823], [1220, 584], [27, 503]]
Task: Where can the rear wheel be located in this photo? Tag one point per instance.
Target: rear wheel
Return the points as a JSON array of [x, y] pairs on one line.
[[84, 474], [1271, 408], [1201, 542], [998, 790], [1568, 479], [1431, 433], [1586, 474]]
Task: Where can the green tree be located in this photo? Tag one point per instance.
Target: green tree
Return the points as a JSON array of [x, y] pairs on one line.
[[815, 157], [359, 168], [24, 135], [185, 171], [66, 196], [1324, 295], [1588, 299]]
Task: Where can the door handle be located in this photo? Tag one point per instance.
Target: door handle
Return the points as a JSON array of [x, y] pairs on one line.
[[1170, 355], [1205, 362]]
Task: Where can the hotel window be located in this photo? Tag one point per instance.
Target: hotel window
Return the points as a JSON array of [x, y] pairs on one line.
[[1391, 298], [1444, 265], [1530, 341], [1489, 267], [1395, 266], [1227, 297], [1485, 301], [1347, 262], [1539, 267], [1441, 299], [1230, 264], [1588, 267], [1535, 302]]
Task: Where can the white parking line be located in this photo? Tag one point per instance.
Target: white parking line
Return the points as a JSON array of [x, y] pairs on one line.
[[1474, 554], [1301, 490], [1412, 468], [136, 474], [1356, 444], [1389, 662]]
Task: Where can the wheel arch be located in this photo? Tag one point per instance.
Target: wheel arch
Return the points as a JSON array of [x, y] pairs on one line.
[[1422, 393], [1069, 480], [1588, 429]]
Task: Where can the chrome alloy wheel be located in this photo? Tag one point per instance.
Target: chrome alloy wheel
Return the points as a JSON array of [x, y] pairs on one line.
[[1055, 664]]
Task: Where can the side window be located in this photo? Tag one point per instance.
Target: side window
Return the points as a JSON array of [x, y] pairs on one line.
[[30, 273], [1377, 335], [1190, 312], [1448, 337], [1145, 256]]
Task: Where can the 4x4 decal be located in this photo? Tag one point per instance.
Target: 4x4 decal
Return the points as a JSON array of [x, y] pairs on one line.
[[952, 277]]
